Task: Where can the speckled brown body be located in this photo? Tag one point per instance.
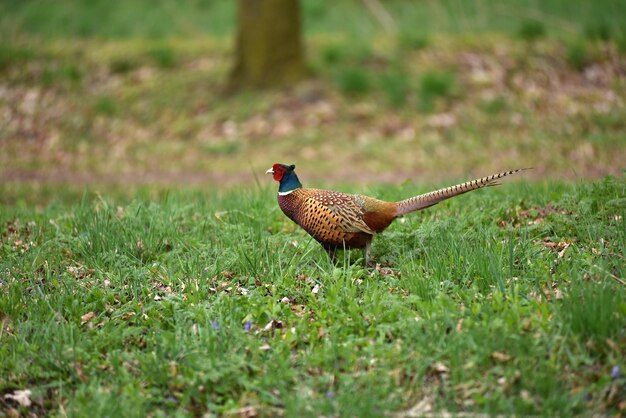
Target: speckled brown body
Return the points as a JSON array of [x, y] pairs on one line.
[[337, 220]]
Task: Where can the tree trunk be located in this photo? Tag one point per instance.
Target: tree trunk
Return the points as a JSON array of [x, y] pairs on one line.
[[269, 44]]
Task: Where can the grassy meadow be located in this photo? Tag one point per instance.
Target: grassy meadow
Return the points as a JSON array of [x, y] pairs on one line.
[[146, 269], [503, 301]]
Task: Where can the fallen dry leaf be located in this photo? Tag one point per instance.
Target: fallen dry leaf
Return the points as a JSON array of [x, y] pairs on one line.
[[500, 356], [87, 317], [421, 408], [13, 413], [437, 369], [564, 246], [459, 325], [128, 315], [612, 345], [22, 397], [79, 272], [78, 367], [442, 120], [272, 325], [245, 412], [613, 396]]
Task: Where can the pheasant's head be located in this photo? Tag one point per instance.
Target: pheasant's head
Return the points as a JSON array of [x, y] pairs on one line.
[[286, 176]]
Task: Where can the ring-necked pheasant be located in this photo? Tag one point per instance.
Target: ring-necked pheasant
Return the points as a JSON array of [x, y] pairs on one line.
[[343, 221]]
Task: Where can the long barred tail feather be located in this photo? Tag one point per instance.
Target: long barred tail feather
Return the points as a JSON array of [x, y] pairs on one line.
[[432, 198]]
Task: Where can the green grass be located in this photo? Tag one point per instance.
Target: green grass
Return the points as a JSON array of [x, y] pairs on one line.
[[163, 56], [531, 30], [105, 105], [433, 85], [598, 31], [122, 65], [353, 81], [396, 87], [11, 55], [577, 55], [503, 301], [411, 40], [145, 18]]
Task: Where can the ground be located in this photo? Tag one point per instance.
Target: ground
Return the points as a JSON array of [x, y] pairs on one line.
[[145, 112], [146, 269], [504, 301]]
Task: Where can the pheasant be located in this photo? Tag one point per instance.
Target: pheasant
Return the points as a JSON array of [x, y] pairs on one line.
[[344, 221]]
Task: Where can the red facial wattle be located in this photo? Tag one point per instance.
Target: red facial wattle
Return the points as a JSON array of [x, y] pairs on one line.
[[279, 171]]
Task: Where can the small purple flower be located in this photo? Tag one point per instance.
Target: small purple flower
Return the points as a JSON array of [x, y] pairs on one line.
[[329, 394], [615, 372], [216, 326], [247, 325]]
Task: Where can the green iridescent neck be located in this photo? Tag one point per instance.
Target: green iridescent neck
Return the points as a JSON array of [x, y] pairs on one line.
[[289, 183]]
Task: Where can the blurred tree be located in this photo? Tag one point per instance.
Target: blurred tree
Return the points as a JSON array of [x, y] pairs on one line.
[[269, 48]]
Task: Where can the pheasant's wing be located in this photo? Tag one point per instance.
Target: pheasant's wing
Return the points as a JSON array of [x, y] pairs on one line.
[[344, 209]]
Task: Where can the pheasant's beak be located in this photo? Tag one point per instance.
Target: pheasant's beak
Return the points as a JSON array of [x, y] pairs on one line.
[[270, 171]]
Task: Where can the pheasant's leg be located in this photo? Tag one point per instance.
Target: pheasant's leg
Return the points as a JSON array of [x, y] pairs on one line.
[[368, 252], [332, 253]]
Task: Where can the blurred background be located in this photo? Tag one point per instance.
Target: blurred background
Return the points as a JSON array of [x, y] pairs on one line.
[[213, 92]]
